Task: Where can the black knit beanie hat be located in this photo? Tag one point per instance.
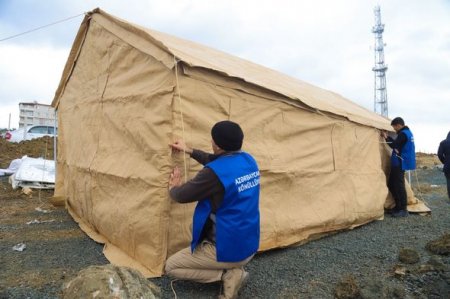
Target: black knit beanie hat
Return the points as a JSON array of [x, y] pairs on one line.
[[227, 135]]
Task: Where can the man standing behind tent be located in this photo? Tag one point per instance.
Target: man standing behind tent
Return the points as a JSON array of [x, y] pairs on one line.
[[226, 220], [403, 158], [444, 156]]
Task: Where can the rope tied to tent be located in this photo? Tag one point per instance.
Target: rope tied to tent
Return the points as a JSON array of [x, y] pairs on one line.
[[173, 289], [41, 27], [181, 116]]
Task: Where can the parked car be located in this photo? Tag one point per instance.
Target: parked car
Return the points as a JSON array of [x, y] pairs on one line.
[[32, 132]]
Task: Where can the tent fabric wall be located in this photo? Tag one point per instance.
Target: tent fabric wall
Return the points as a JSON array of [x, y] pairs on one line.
[[318, 174], [115, 124], [127, 92]]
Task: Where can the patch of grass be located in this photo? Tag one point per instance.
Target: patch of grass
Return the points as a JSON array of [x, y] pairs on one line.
[[347, 288], [440, 246]]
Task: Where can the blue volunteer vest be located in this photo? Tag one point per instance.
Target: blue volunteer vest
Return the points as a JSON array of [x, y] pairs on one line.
[[237, 218], [408, 154]]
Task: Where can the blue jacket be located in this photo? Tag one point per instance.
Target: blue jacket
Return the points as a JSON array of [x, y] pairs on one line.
[[404, 154], [237, 219]]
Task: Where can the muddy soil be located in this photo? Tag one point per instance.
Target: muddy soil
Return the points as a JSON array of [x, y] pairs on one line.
[[364, 260], [36, 148]]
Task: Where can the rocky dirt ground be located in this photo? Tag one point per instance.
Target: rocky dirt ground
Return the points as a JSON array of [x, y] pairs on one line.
[[360, 263]]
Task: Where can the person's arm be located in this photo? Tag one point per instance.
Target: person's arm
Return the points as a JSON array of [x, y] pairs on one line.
[[397, 143], [202, 186], [202, 157], [390, 141], [440, 153], [198, 155]]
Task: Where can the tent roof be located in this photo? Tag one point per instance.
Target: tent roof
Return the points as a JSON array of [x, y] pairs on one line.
[[168, 48]]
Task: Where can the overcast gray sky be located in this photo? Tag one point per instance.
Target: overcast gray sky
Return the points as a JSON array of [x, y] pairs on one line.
[[324, 42]]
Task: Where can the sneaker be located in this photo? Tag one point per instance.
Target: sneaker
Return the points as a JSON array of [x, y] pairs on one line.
[[401, 213], [233, 280]]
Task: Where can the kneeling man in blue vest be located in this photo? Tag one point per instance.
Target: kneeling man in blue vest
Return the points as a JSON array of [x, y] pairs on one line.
[[225, 234]]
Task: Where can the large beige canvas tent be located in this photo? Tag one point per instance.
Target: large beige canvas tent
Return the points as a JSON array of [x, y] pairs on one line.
[[127, 92]]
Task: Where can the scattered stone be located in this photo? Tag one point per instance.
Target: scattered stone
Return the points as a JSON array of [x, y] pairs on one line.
[[110, 281], [19, 247], [440, 246], [408, 256], [400, 270], [35, 221], [27, 191], [347, 289], [39, 209]]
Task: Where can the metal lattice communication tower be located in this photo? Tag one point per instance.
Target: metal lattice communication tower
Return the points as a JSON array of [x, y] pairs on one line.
[[380, 94]]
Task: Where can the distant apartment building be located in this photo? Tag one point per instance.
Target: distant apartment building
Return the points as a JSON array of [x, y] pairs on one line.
[[36, 114]]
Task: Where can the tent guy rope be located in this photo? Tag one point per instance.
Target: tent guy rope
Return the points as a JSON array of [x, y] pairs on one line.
[[41, 27], [173, 289]]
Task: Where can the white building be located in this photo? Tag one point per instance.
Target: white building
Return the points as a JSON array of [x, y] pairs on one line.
[[36, 114]]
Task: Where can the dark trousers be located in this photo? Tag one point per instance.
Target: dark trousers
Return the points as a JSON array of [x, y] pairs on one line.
[[447, 176], [396, 185]]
